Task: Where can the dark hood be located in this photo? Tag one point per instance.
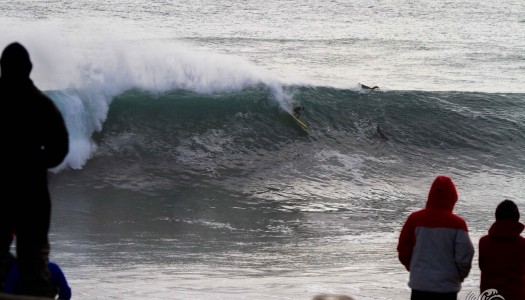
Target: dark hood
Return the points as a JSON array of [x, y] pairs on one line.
[[15, 62], [506, 229], [442, 194]]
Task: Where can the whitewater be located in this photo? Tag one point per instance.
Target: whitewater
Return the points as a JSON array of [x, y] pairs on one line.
[[188, 179]]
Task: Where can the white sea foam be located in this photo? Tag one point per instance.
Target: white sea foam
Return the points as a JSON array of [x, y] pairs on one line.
[[87, 79]]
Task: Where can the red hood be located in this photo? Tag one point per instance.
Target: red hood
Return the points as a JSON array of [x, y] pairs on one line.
[[506, 229], [443, 194]]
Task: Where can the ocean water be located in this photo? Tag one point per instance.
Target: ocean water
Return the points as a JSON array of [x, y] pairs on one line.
[[187, 179]]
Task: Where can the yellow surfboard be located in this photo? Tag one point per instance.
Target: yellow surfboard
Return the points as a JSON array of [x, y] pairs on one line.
[[301, 123]]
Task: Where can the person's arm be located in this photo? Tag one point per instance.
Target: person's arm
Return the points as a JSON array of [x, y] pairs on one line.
[[405, 246], [481, 254], [56, 142], [464, 253]]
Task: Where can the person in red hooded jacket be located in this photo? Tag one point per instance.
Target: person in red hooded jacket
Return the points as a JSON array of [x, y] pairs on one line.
[[502, 254], [434, 245]]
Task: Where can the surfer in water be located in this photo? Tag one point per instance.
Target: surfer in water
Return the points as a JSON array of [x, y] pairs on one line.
[[297, 111], [366, 87], [381, 133]]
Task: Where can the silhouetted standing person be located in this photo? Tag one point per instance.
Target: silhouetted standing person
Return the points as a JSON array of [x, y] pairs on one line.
[[34, 138], [502, 254]]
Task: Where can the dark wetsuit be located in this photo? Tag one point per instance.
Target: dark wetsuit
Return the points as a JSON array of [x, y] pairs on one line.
[[297, 111], [366, 87]]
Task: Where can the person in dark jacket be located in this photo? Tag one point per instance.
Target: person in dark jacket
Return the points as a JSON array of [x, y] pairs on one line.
[[34, 139], [434, 245], [502, 254]]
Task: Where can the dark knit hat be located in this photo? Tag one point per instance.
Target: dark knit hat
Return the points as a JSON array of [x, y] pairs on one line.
[[507, 210]]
